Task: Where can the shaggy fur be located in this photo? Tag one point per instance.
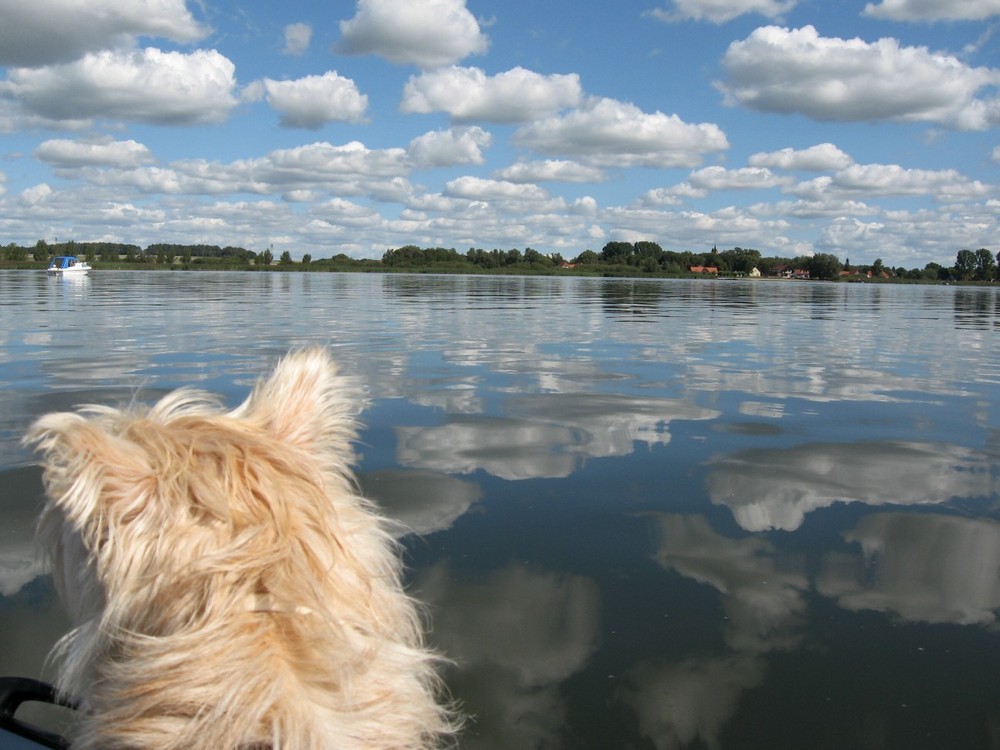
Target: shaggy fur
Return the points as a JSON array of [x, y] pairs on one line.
[[228, 586]]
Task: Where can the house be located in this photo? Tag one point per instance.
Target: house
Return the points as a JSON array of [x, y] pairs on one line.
[[787, 272], [703, 269]]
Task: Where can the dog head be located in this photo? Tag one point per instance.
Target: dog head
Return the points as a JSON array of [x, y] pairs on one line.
[[182, 508]]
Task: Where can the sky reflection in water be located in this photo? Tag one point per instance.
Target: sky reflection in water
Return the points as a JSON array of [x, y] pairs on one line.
[[647, 514]]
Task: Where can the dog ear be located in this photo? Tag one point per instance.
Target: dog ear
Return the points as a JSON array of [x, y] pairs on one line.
[[304, 402], [82, 462]]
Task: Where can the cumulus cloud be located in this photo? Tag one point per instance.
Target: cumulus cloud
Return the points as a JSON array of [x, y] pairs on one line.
[[517, 95], [426, 33], [745, 178], [35, 194], [167, 88], [479, 189], [313, 101], [45, 32], [297, 38], [67, 154], [549, 170], [446, 148], [348, 169], [720, 11], [819, 158], [933, 10], [797, 71], [609, 133], [892, 180], [324, 163]]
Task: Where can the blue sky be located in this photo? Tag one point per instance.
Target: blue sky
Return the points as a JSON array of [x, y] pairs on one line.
[[863, 129]]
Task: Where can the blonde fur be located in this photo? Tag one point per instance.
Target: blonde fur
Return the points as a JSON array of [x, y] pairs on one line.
[[228, 586]]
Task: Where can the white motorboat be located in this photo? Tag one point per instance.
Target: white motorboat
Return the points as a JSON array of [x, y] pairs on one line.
[[67, 264]]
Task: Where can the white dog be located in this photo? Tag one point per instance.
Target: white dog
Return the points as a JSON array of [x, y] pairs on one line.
[[228, 586]]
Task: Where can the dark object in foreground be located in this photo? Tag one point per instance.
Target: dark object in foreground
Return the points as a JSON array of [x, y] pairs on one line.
[[15, 733]]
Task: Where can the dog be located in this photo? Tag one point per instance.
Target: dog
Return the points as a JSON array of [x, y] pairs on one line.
[[228, 585]]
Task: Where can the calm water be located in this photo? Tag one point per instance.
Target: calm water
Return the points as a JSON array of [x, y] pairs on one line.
[[648, 514]]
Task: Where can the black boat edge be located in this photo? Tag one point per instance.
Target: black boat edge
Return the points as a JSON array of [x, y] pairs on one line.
[[16, 733]]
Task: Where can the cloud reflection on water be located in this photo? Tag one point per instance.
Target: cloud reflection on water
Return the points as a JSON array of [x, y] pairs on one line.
[[422, 501], [807, 395], [921, 567], [545, 435], [763, 596], [516, 636], [776, 488]]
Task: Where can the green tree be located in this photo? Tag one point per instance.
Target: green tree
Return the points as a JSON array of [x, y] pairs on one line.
[[645, 249], [739, 260], [306, 259], [986, 267], [824, 266], [965, 264], [586, 258], [513, 257], [15, 253], [265, 258], [616, 252], [535, 258], [286, 258]]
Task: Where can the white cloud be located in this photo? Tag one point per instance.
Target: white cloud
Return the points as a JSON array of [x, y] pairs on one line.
[[550, 170], [819, 158], [426, 33], [36, 194], [445, 148], [892, 180], [797, 71], [478, 189], [44, 32], [608, 133], [910, 239], [517, 95], [167, 88], [350, 169], [67, 154], [745, 178], [297, 38], [933, 10], [313, 101], [671, 196], [348, 166], [720, 11]]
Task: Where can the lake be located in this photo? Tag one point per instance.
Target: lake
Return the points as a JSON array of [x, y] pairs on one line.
[[646, 513]]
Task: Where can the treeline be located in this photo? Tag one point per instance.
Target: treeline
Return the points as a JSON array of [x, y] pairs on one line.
[[111, 252], [649, 258], [644, 258]]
